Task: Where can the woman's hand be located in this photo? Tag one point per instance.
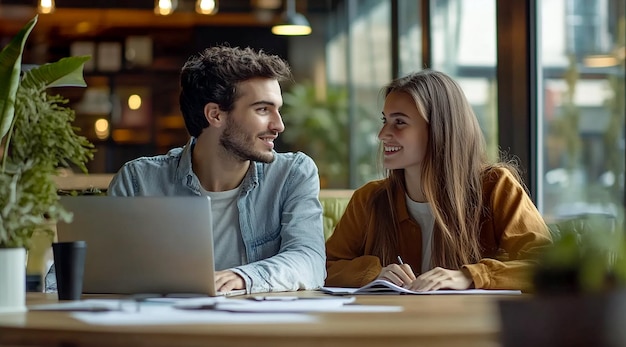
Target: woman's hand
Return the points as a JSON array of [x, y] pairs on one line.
[[397, 274], [440, 278]]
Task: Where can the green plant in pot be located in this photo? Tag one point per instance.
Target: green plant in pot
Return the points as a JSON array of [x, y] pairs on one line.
[[588, 256], [36, 137], [580, 284]]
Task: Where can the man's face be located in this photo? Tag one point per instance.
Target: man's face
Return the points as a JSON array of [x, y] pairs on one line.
[[254, 123]]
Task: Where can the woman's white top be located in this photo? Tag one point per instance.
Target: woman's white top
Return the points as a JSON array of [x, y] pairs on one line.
[[423, 215]]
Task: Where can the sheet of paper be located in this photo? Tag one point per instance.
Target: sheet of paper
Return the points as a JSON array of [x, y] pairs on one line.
[[266, 304], [82, 305], [282, 304], [168, 315], [295, 305], [206, 310], [366, 309]]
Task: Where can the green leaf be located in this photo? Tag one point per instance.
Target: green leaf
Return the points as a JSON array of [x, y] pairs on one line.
[[10, 65], [67, 72]]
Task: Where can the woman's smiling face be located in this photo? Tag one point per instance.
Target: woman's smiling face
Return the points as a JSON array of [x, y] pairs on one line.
[[404, 134]]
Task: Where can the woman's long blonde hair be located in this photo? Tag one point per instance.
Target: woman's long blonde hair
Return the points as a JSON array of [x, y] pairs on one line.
[[452, 173]]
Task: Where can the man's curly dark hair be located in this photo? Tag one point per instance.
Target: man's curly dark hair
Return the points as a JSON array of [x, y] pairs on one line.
[[213, 74]]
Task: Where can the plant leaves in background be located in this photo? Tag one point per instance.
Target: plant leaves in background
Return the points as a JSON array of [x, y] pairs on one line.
[[67, 72], [10, 65], [38, 130]]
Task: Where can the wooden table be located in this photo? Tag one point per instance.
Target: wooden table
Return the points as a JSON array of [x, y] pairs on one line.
[[427, 320]]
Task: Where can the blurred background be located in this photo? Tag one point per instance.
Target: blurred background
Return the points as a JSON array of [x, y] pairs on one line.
[[545, 77]]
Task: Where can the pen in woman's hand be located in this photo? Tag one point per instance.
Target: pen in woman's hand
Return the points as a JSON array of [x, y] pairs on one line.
[[400, 261]]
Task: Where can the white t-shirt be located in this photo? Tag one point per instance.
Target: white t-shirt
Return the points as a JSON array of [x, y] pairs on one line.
[[229, 250], [423, 215]]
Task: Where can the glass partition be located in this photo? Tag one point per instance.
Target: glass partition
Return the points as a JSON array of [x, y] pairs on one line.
[[581, 118], [463, 36], [370, 65], [409, 37], [359, 56]]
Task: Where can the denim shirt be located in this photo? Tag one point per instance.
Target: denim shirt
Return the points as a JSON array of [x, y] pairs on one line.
[[280, 215]]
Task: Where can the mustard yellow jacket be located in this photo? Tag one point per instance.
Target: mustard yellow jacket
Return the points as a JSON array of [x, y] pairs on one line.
[[512, 232]]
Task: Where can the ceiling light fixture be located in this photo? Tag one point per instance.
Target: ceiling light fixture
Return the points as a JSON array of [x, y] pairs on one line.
[[292, 23], [600, 60], [45, 6], [209, 7], [165, 7]]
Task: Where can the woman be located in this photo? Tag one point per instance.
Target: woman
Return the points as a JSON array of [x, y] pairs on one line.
[[444, 217]]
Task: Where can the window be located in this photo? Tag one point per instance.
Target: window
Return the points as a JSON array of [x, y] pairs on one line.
[[581, 118], [360, 56], [409, 37], [464, 47]]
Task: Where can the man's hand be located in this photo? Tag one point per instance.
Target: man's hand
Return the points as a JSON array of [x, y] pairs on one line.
[[397, 274], [226, 281], [440, 278]]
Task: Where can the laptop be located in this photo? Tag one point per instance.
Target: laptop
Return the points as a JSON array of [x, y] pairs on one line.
[[144, 245]]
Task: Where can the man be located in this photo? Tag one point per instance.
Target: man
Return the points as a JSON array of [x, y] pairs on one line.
[[268, 232]]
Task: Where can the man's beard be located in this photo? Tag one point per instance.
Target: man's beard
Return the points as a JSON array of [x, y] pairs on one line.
[[241, 145]]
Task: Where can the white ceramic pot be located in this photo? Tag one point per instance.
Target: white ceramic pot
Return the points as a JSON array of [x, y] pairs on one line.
[[12, 280]]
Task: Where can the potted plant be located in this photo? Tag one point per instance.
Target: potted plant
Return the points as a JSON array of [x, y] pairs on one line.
[[580, 296], [36, 137]]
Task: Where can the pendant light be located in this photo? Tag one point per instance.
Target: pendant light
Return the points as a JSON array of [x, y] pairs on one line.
[[292, 23], [164, 7], [208, 7], [45, 6]]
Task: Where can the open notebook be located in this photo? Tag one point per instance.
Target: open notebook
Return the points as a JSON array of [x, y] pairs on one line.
[[386, 287], [144, 245]]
